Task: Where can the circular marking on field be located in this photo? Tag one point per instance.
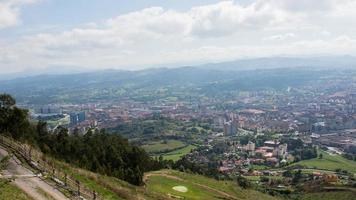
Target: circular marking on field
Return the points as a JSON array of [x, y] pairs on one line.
[[180, 188]]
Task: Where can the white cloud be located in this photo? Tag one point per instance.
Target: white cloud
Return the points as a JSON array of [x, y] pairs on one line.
[[221, 31], [10, 11], [280, 37], [8, 16], [303, 5]]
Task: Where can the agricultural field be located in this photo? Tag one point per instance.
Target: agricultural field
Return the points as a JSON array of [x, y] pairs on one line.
[[8, 191], [163, 145], [329, 162], [170, 149], [177, 154]]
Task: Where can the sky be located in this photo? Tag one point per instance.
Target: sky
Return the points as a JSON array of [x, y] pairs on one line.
[[75, 35]]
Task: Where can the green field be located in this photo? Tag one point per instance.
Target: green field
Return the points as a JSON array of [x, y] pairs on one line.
[[344, 195], [8, 191], [329, 162], [198, 187], [259, 167], [159, 146], [177, 154]]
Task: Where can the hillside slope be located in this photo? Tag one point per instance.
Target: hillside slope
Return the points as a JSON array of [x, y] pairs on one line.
[[182, 185], [9, 191], [162, 185], [329, 162]]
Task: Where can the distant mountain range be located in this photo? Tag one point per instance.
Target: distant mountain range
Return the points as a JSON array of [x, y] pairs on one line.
[[210, 79], [322, 62]]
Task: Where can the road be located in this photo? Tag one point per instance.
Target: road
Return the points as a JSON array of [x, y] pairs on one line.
[[29, 182]]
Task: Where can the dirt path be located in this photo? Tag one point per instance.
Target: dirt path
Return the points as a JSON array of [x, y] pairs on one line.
[[222, 193], [148, 175], [29, 182]]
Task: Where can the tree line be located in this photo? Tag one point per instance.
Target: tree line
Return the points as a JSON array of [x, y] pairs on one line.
[[98, 151]]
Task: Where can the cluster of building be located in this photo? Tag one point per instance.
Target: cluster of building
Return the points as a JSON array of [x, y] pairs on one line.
[[344, 140], [271, 154], [302, 110], [76, 118], [57, 115]]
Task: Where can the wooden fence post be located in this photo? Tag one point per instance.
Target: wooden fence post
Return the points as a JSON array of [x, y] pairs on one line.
[[78, 187], [44, 164], [94, 195], [30, 154]]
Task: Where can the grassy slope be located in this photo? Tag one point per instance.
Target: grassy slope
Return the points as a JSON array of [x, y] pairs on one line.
[[8, 191], [199, 187], [110, 188], [329, 162], [160, 184], [90, 180], [330, 196], [45, 194]]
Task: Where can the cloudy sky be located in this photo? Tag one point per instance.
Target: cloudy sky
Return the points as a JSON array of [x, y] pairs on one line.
[[55, 35]]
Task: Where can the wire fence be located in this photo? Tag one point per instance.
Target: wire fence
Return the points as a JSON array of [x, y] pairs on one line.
[[40, 162]]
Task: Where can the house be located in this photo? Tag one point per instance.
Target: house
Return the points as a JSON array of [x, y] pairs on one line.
[[330, 178]]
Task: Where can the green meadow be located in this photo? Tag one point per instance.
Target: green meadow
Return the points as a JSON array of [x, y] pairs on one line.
[[177, 154], [159, 146], [329, 162]]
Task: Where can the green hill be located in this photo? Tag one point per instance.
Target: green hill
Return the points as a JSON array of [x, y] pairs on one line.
[[163, 185], [170, 183], [343, 195], [329, 162]]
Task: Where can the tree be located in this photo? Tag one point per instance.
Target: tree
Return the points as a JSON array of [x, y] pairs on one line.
[[297, 176], [6, 101], [243, 182], [41, 129], [264, 179], [320, 156], [288, 173], [244, 140], [14, 121]]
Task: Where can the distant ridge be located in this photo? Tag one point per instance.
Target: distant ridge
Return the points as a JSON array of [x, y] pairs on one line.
[[318, 62], [321, 62]]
